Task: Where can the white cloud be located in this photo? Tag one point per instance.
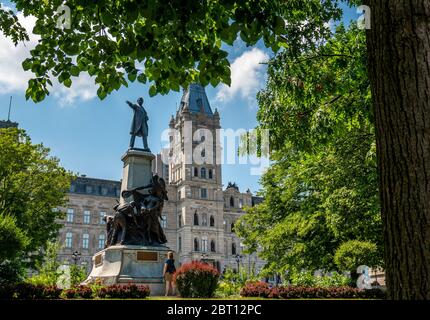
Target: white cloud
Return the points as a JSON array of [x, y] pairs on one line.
[[247, 76], [13, 79]]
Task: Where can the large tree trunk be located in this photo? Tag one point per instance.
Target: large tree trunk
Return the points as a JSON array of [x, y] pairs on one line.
[[399, 70]]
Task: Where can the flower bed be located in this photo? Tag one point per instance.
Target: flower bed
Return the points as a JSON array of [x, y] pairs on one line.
[[27, 291], [130, 291], [262, 289], [83, 292]]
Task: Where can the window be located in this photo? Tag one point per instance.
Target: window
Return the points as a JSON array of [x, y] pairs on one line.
[[196, 244], [85, 240], [164, 222], [69, 215], [196, 219], [232, 227], [204, 245], [87, 216], [203, 153], [213, 246], [179, 244], [233, 248], [210, 174], [240, 203], [102, 239], [69, 238], [179, 221], [212, 221], [203, 173], [196, 172], [203, 193], [202, 138], [104, 191], [231, 201], [204, 219], [102, 217], [88, 189], [179, 195]]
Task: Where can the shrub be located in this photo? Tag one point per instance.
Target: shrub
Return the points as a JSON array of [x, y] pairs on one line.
[[307, 279], [262, 289], [351, 254], [84, 292], [231, 282], [27, 291], [256, 289], [130, 291], [196, 279]]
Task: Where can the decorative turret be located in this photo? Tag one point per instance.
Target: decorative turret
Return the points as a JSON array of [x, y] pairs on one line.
[[216, 114]]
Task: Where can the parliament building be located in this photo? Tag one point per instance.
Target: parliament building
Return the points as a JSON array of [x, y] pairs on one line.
[[199, 217]]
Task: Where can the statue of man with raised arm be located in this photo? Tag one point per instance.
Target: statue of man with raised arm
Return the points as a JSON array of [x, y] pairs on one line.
[[139, 124]]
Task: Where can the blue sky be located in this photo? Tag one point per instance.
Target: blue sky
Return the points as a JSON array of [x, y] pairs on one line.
[[89, 136]]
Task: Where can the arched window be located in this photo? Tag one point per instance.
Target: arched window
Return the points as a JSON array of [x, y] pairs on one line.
[[196, 172], [196, 244], [212, 221], [203, 153], [204, 219], [232, 227], [213, 246], [196, 219], [210, 174], [203, 173], [233, 248], [231, 201]]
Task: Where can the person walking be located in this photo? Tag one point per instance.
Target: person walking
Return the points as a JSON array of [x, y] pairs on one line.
[[168, 271]]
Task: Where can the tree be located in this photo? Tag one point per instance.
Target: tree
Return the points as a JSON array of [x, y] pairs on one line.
[[12, 239], [168, 44], [352, 254], [32, 185], [321, 189], [48, 270], [398, 46]]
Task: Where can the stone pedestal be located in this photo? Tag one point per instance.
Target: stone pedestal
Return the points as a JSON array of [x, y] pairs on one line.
[[137, 169], [130, 264]]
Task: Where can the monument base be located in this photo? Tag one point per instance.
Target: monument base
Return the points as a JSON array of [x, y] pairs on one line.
[[130, 264]]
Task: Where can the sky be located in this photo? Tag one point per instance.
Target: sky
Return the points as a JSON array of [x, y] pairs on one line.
[[89, 136]]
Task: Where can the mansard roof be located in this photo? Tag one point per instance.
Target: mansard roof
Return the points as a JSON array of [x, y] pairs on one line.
[[195, 100]]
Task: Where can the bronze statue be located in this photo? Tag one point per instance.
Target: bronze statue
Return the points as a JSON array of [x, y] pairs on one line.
[[139, 124], [138, 222]]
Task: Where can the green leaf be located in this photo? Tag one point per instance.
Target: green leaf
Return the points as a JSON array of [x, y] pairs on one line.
[[152, 90], [67, 82], [74, 71]]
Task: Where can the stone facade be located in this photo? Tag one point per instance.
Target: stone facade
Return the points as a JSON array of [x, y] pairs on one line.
[[198, 218]]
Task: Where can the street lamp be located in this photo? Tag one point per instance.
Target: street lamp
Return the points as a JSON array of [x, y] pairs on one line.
[[238, 257], [76, 256]]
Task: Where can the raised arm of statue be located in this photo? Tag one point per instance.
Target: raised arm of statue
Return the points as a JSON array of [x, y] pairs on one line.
[[131, 104]]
